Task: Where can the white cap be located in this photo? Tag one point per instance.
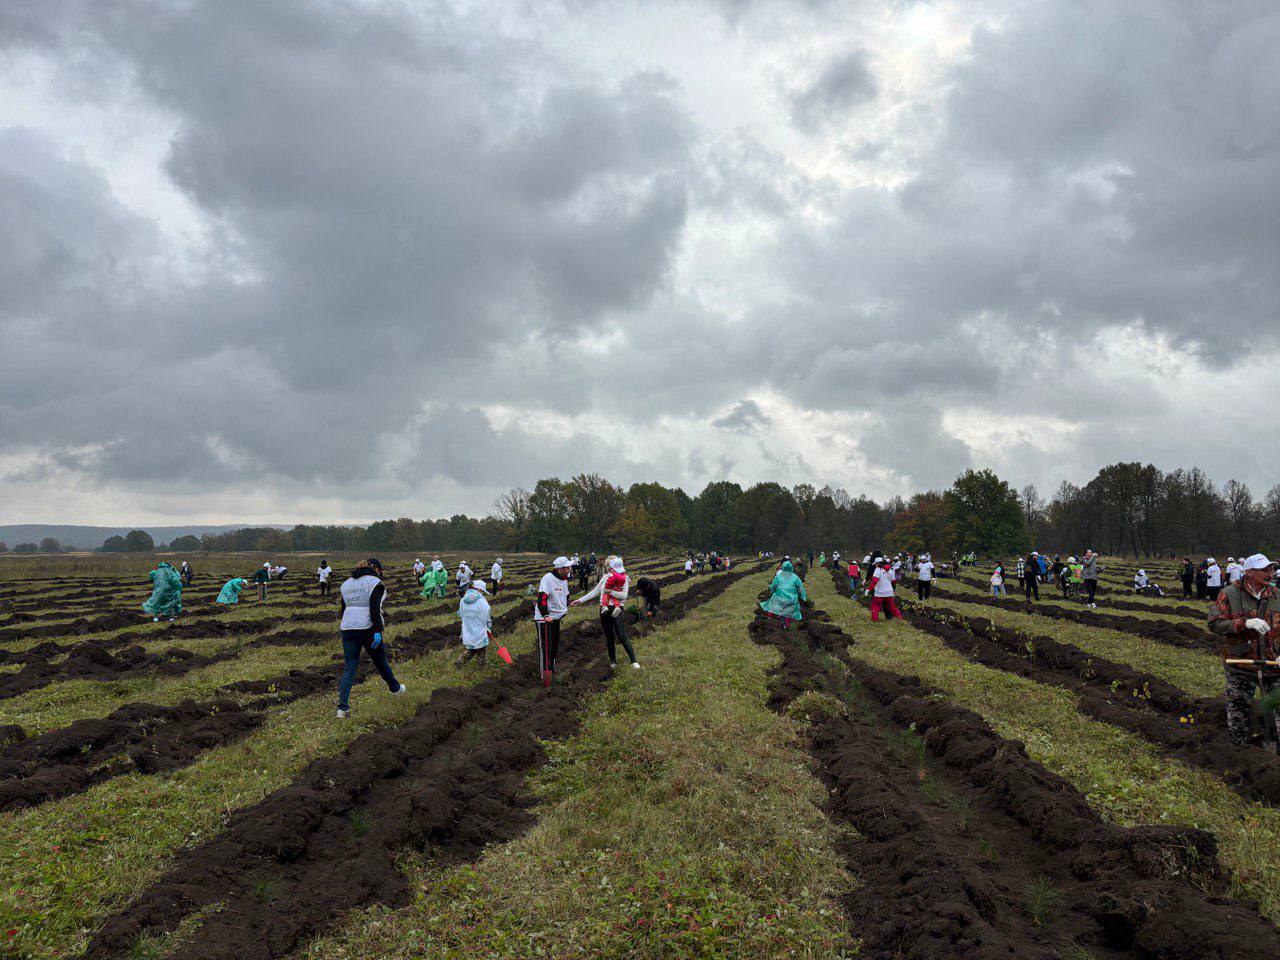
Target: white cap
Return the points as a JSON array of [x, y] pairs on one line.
[[1211, 560], [562, 562], [1258, 562], [479, 585]]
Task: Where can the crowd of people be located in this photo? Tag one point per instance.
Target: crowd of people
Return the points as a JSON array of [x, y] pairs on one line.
[[1244, 610]]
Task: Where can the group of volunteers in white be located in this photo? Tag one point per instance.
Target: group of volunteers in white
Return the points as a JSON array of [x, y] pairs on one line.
[[361, 598]]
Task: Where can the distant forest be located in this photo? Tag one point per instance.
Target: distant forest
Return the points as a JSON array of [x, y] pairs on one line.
[[1127, 508]]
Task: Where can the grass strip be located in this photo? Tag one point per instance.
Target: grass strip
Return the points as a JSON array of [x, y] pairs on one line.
[[1128, 779]]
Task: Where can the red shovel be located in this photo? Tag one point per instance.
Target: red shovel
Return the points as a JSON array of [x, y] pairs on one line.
[[502, 652]]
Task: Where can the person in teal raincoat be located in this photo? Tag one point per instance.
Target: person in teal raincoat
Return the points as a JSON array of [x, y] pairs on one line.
[[230, 592], [785, 594], [166, 592]]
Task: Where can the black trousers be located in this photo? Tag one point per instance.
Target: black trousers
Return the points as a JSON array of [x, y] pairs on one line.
[[1186, 588], [548, 647], [324, 588], [923, 589], [1091, 588], [615, 631], [1031, 588]]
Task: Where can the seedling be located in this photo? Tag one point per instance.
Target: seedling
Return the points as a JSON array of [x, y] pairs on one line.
[[1042, 900], [360, 822]]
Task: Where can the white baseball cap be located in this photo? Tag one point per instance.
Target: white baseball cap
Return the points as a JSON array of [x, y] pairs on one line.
[[1258, 562], [562, 562]]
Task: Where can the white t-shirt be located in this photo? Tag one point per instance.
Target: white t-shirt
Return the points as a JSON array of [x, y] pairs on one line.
[[926, 570], [324, 573], [496, 572], [1213, 576], [557, 592], [884, 583], [1234, 572]]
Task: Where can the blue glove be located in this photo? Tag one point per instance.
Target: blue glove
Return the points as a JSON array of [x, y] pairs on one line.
[[377, 641]]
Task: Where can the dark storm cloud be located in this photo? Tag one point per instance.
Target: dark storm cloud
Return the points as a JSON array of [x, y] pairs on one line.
[[745, 417], [411, 205], [845, 82], [396, 189]]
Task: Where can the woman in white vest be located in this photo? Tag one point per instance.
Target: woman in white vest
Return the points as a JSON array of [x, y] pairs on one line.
[[495, 575], [360, 600], [464, 577]]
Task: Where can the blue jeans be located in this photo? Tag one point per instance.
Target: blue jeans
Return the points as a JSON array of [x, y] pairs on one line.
[[353, 641]]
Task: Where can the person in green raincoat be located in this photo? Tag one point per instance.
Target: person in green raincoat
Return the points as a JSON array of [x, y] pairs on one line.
[[230, 592], [428, 581], [166, 592], [785, 595], [822, 559]]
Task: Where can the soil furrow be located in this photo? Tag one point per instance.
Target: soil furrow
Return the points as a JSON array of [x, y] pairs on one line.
[[450, 781]]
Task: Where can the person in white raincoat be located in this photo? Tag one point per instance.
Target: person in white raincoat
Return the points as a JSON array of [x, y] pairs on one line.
[[477, 621], [495, 575]]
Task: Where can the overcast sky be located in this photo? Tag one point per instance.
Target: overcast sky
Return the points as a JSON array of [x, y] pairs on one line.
[[311, 260]]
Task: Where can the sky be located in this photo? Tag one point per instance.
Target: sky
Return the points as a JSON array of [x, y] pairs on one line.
[[339, 260]]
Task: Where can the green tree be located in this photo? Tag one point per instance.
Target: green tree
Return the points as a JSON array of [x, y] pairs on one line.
[[186, 544], [764, 515], [548, 516], [114, 544], [715, 523], [662, 510], [594, 505], [925, 525], [138, 541], [634, 529], [4, 547], [26, 548], [986, 514], [50, 545], [512, 509]]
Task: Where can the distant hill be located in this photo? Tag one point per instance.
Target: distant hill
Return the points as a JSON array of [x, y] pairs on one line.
[[73, 535]]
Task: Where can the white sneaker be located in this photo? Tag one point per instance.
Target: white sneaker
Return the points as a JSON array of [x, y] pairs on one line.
[[155, 619], [402, 689], [612, 665], [635, 666], [343, 714]]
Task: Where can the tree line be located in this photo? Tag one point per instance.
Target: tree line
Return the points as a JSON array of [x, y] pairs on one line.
[[1128, 508]]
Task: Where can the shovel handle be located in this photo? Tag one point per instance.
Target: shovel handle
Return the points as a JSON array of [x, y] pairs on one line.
[[1233, 662]]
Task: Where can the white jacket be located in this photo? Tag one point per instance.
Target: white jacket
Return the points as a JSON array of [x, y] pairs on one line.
[[1213, 576], [477, 621], [495, 572]]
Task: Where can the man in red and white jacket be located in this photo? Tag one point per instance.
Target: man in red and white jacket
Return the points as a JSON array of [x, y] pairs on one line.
[[551, 606]]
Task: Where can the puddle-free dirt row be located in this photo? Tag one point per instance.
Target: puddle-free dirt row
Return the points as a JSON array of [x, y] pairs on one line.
[[450, 781], [1192, 729], [149, 738], [1000, 857]]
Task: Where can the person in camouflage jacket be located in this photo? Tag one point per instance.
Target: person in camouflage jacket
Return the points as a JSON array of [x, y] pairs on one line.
[[1246, 615]]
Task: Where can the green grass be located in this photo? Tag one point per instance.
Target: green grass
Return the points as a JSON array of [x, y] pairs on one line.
[[1197, 671], [69, 863], [681, 821], [1127, 779]]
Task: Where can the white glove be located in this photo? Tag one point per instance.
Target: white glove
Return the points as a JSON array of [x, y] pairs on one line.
[[1258, 625]]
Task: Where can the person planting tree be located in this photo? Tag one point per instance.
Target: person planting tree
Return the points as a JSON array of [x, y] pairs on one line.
[[1247, 616], [651, 593], [166, 593], [882, 593], [786, 593], [477, 622], [324, 573], [549, 608], [362, 623], [495, 575], [230, 592], [612, 591], [262, 578]]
